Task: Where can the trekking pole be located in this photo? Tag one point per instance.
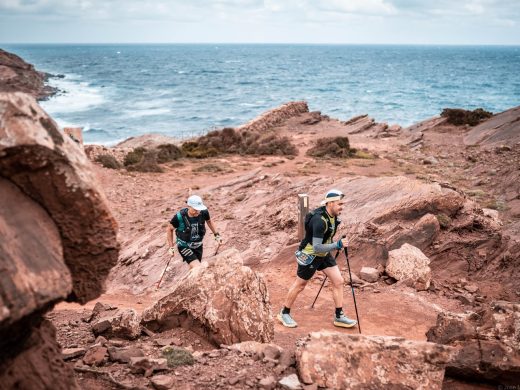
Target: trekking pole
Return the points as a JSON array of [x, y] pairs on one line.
[[352, 287], [324, 280], [165, 268], [218, 246]]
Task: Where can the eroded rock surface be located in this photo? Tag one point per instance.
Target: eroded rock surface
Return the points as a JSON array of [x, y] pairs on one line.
[[114, 322], [34, 362], [487, 343], [53, 171], [409, 263], [16, 75], [58, 240], [342, 361], [225, 301]]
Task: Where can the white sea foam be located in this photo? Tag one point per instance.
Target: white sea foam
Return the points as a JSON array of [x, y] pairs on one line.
[[74, 96], [146, 112], [149, 108]]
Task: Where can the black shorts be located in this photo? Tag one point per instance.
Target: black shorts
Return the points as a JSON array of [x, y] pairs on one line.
[[190, 254], [306, 272]]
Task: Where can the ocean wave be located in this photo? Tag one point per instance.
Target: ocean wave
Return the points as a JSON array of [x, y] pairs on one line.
[[147, 112], [74, 96]]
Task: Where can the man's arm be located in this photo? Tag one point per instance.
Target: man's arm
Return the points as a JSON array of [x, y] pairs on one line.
[[212, 227], [318, 247], [318, 230], [169, 235]]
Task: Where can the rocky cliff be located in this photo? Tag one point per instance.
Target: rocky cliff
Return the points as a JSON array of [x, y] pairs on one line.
[[16, 75]]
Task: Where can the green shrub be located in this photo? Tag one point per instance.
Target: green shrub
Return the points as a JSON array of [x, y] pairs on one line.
[[178, 357], [196, 150], [444, 220], [148, 163], [168, 152], [108, 161], [459, 117], [335, 147], [246, 142], [134, 156], [272, 145]]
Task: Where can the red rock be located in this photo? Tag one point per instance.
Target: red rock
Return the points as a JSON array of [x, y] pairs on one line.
[[95, 356], [53, 170], [341, 361], [409, 263], [16, 75], [225, 302]]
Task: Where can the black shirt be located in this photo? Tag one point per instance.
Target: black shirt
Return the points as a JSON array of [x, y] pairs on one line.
[[197, 231]]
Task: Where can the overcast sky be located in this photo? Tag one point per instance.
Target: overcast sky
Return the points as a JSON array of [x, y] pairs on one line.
[[259, 21]]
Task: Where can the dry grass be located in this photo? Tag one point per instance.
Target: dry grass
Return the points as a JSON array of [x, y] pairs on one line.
[[459, 117], [333, 147], [108, 161], [178, 357], [229, 141]]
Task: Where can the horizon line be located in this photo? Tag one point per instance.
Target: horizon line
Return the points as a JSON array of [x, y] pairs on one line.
[[261, 43]]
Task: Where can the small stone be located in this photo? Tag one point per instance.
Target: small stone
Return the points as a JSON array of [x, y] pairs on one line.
[[71, 353], [162, 382], [290, 382], [369, 274], [100, 340], [267, 383], [124, 355], [163, 342], [117, 343], [233, 381], [472, 288], [147, 365], [465, 299], [95, 356]]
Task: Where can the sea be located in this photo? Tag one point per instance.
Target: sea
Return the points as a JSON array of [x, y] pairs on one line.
[[116, 91]]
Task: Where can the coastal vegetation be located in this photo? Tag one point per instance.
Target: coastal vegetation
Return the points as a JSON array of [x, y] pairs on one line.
[[459, 117], [108, 161]]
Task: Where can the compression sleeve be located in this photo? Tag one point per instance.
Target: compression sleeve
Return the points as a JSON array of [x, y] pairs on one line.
[[318, 247]]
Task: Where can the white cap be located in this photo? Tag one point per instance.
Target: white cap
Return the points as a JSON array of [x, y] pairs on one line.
[[332, 196], [195, 201]]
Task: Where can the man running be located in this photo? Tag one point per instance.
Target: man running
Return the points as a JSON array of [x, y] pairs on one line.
[[317, 244], [190, 228]]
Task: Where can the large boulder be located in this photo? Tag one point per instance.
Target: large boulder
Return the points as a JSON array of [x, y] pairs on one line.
[[34, 361], [224, 301], [487, 344], [341, 361], [409, 263], [58, 239], [54, 172], [31, 256]]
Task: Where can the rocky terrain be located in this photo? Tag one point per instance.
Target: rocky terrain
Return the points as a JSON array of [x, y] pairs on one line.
[[16, 75], [431, 214]]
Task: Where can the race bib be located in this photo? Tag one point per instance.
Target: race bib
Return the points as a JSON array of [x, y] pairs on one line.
[[303, 258]]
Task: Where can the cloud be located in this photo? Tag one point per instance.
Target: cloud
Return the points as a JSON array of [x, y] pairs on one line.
[[233, 20], [365, 7]]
